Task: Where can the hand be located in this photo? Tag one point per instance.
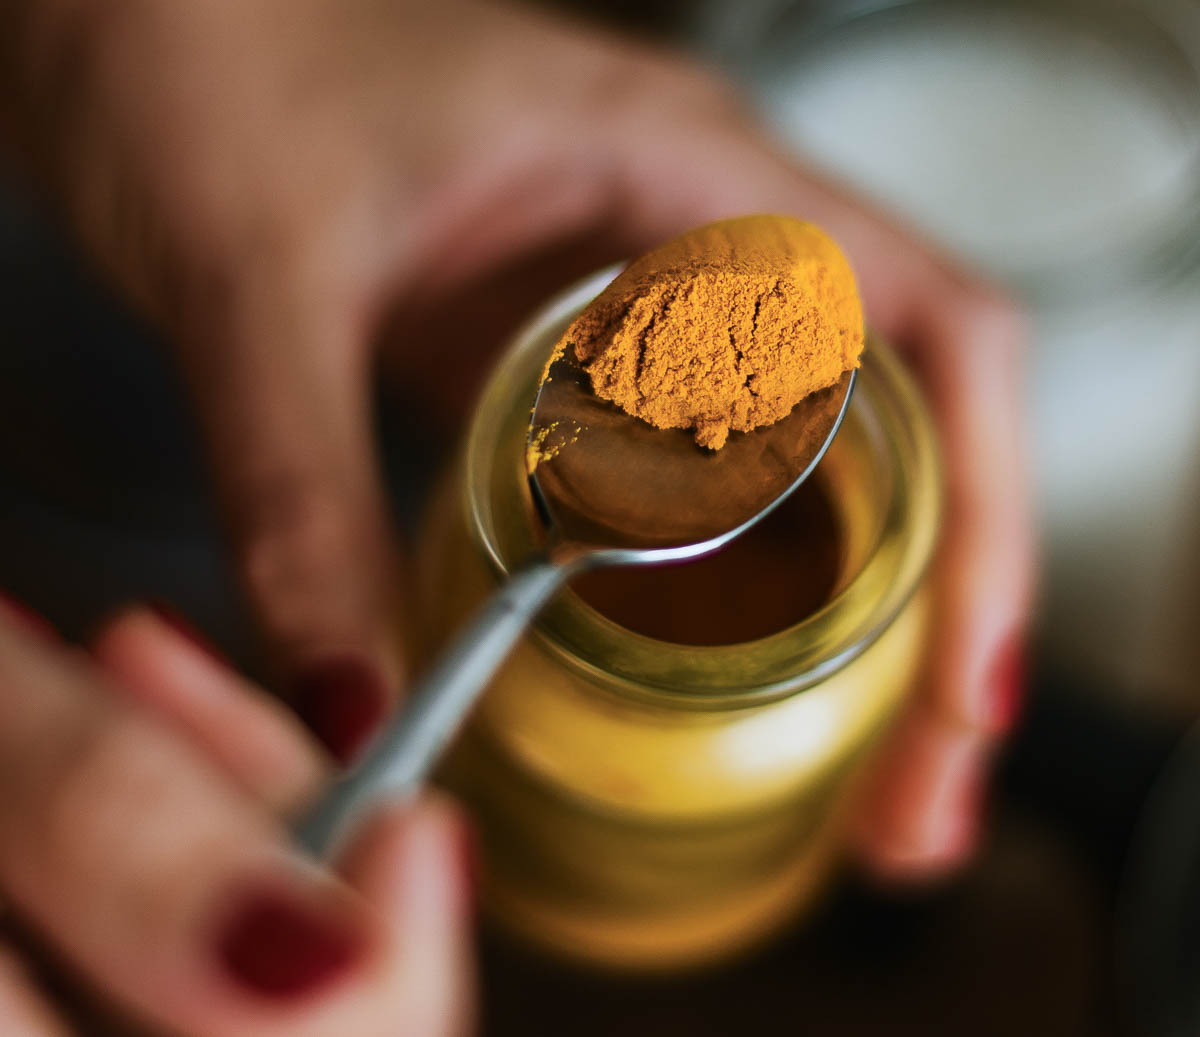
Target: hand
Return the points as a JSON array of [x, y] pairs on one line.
[[277, 183], [140, 834]]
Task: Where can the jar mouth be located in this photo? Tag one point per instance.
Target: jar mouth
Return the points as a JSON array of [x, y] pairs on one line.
[[889, 428]]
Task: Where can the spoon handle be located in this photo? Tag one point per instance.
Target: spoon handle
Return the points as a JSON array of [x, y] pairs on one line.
[[404, 752]]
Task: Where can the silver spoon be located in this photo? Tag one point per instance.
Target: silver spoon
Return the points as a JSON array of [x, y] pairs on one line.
[[614, 491]]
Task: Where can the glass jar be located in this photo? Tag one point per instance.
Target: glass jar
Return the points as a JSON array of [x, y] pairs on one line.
[[647, 803]]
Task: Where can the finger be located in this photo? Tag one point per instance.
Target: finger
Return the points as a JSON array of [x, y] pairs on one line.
[[23, 1009], [281, 385], [968, 350], [413, 864], [157, 660], [174, 892], [924, 816]]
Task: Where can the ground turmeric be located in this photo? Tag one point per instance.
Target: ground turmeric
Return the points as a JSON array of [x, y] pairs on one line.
[[726, 327]]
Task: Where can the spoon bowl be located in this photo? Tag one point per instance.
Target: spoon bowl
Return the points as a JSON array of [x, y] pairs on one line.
[[627, 493]]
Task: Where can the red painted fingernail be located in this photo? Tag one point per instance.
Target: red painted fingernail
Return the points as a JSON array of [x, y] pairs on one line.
[[186, 629], [342, 701], [279, 945], [1006, 684], [27, 619]]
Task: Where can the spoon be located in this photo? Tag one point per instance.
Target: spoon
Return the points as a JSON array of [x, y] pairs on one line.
[[611, 490]]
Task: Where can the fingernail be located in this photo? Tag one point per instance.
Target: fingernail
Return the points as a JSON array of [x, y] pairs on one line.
[[186, 629], [1006, 684], [281, 945], [27, 619], [342, 701]]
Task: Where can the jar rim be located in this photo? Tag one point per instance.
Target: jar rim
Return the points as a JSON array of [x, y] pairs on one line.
[[733, 675]]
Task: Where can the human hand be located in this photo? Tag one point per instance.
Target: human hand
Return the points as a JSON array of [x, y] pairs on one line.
[[276, 184], [140, 836]]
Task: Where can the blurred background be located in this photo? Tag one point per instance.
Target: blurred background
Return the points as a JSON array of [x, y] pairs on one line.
[[1056, 145]]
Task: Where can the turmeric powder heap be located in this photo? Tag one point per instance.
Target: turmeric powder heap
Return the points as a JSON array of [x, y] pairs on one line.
[[726, 327]]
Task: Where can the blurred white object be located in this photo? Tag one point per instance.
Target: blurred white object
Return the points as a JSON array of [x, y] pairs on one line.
[[1045, 149], [1056, 146]]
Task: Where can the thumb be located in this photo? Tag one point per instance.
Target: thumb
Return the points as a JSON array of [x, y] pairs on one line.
[[280, 376], [414, 865]]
